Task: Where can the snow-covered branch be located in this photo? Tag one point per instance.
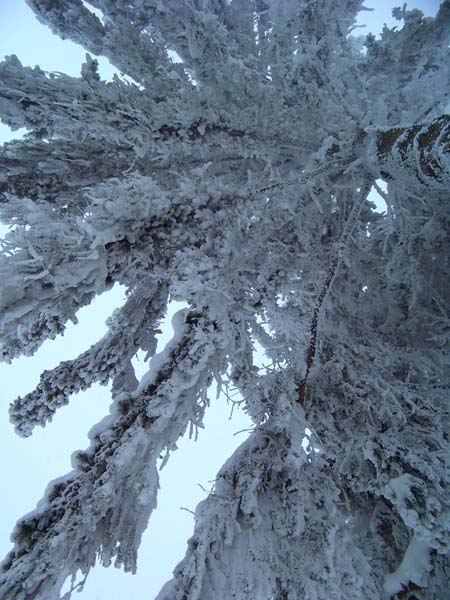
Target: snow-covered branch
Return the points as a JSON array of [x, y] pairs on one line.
[[99, 510], [237, 181], [259, 533], [419, 153], [131, 328]]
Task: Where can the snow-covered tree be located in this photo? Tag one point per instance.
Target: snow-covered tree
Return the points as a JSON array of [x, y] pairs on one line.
[[236, 179]]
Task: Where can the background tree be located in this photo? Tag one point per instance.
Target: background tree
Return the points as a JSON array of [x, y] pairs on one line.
[[237, 181]]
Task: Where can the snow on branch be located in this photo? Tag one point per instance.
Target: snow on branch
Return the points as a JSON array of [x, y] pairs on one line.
[[131, 328], [53, 170], [350, 224], [99, 510], [235, 181], [257, 534], [420, 153], [72, 108]]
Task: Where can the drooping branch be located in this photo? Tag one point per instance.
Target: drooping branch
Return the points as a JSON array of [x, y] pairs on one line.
[[100, 509], [132, 327], [50, 277]]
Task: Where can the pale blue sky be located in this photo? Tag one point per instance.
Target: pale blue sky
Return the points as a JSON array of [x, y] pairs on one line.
[[28, 465]]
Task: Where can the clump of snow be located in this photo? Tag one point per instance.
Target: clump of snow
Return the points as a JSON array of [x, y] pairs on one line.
[[413, 568]]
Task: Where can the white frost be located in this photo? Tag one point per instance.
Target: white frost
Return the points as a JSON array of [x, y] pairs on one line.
[[413, 568]]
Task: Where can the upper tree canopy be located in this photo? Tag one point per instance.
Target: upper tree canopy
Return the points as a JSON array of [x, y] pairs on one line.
[[237, 180]]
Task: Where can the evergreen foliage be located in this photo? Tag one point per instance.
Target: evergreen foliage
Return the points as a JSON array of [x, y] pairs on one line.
[[237, 181]]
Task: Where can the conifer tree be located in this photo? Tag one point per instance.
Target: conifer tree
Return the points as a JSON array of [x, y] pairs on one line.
[[237, 181]]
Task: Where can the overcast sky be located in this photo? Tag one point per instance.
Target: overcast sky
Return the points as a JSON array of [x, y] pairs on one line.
[[28, 465]]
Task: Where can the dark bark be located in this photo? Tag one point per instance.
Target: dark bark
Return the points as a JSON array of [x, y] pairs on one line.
[[421, 152]]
